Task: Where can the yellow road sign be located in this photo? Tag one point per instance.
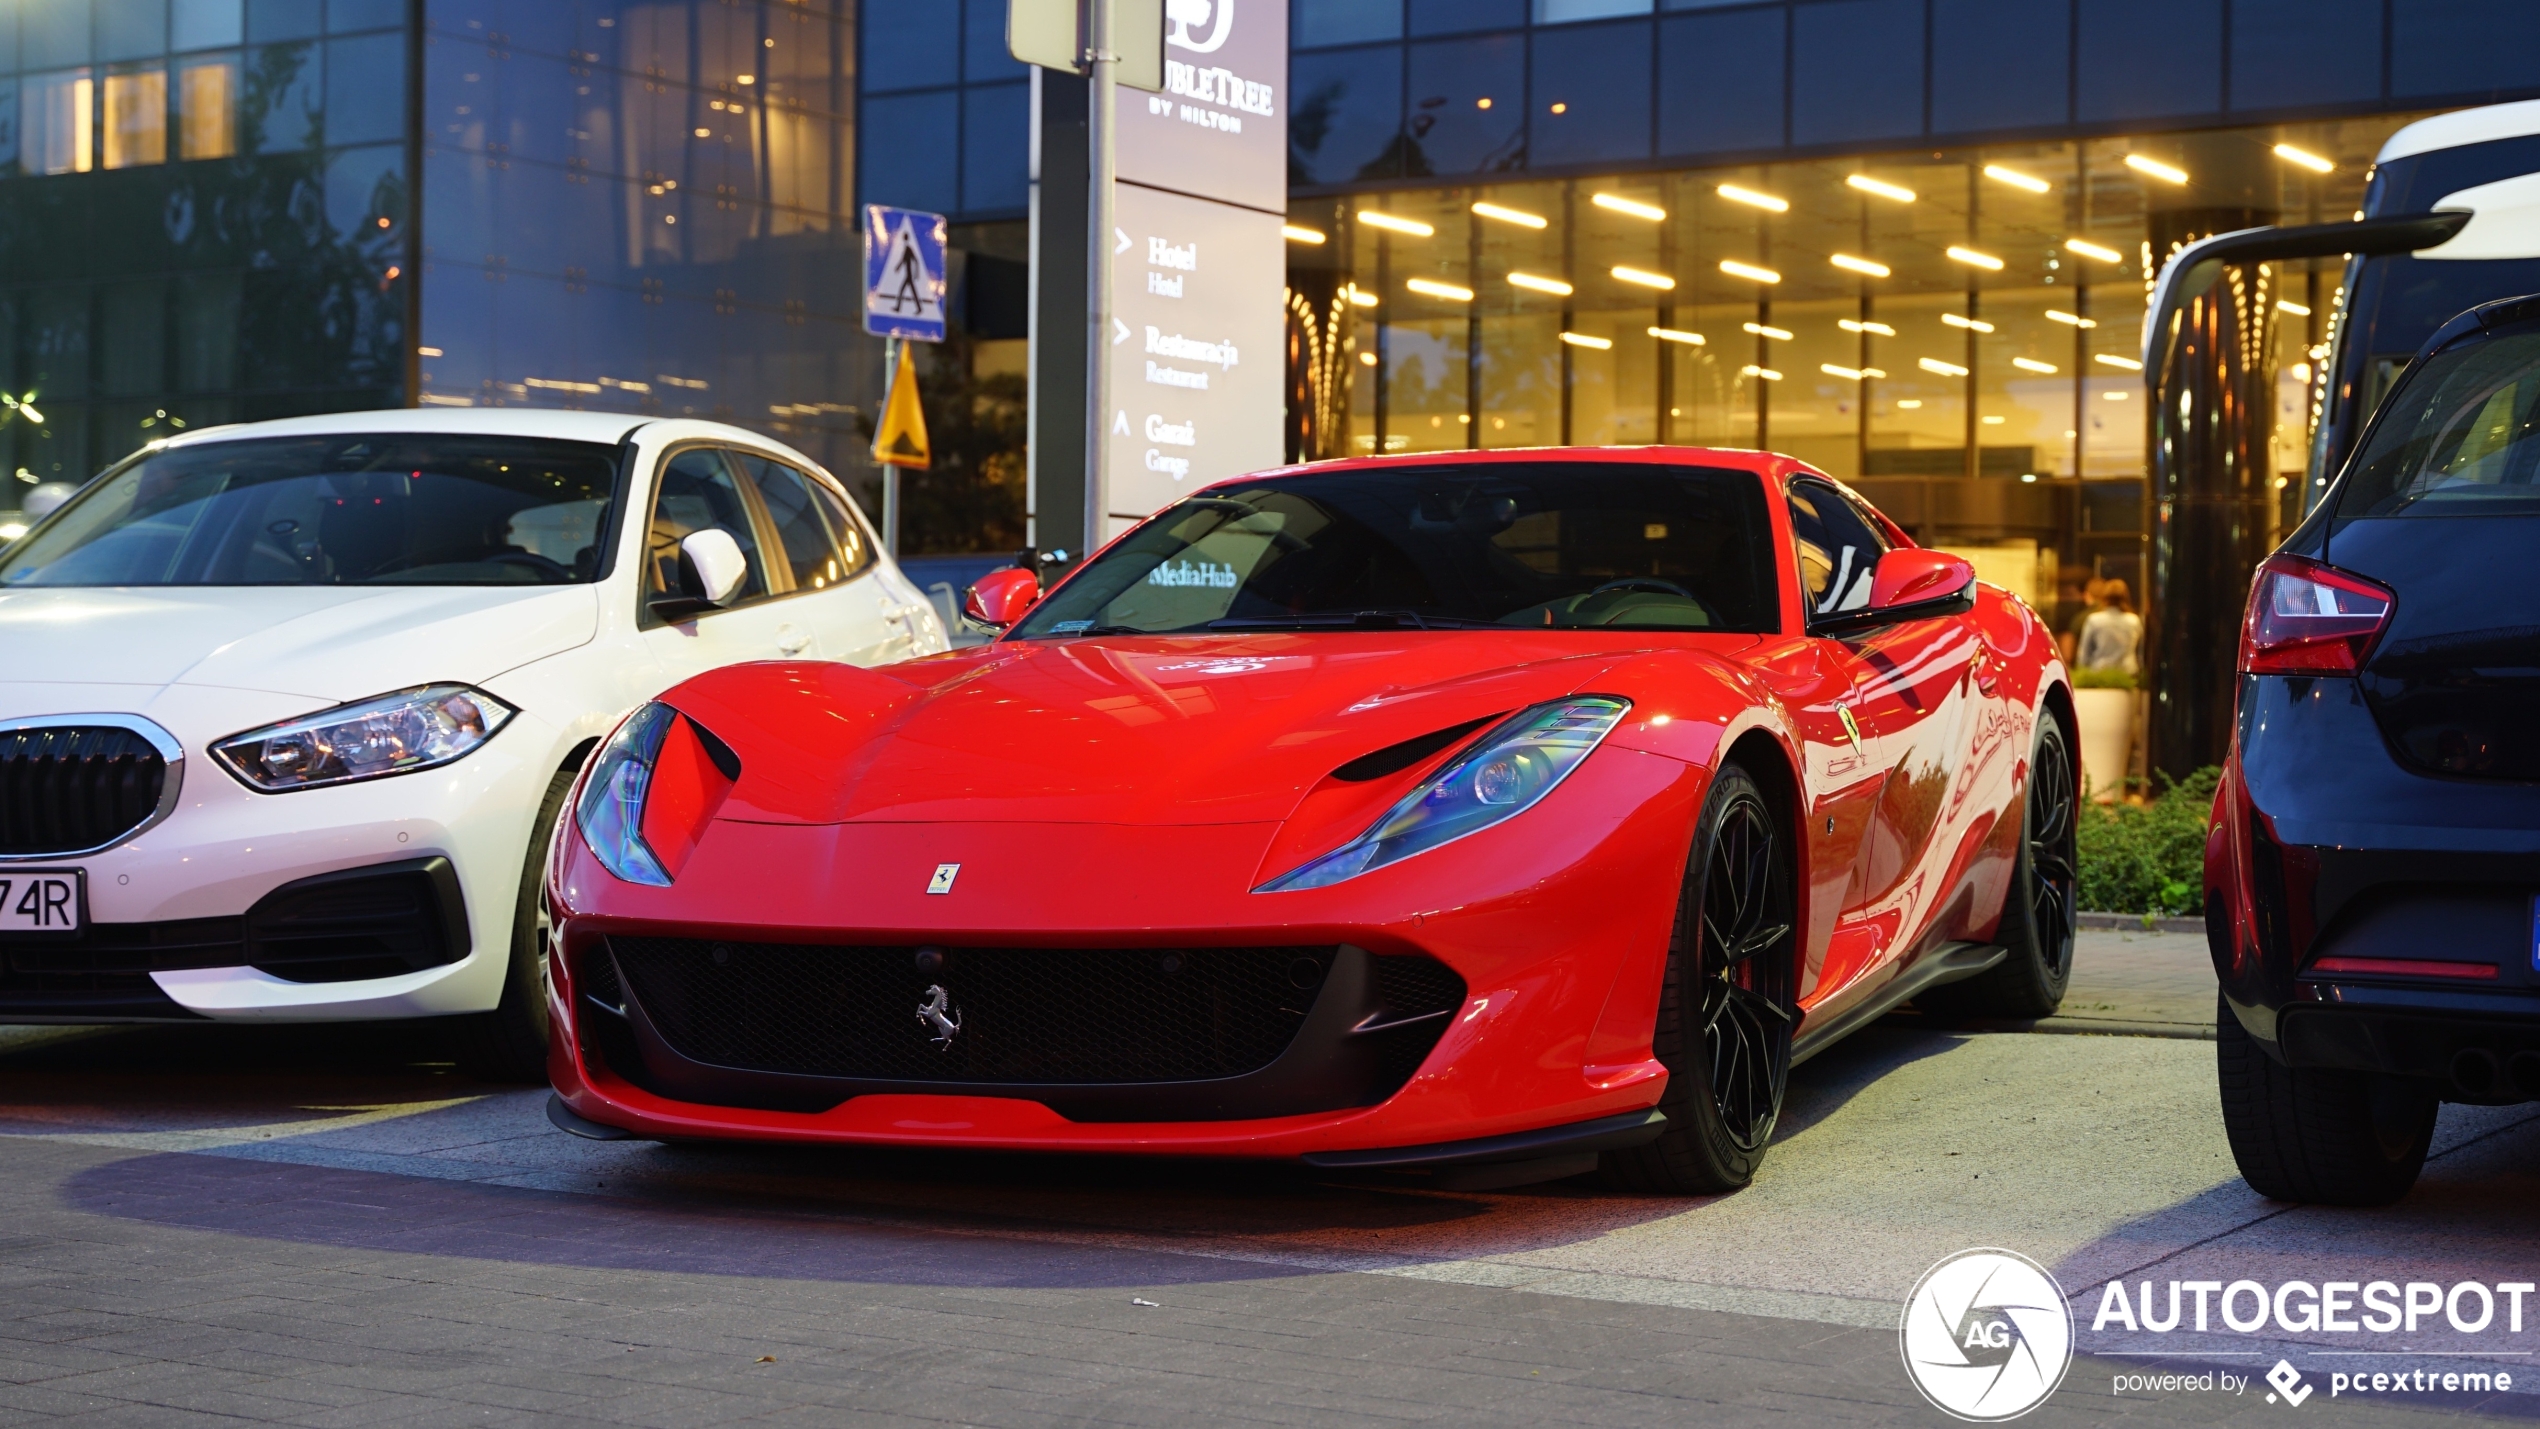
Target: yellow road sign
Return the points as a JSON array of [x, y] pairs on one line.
[[901, 439]]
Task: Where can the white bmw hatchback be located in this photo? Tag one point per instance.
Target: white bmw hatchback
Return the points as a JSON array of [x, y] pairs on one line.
[[287, 710]]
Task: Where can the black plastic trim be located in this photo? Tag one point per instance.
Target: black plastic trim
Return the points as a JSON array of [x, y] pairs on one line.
[[1605, 1133], [1948, 963], [564, 1118]]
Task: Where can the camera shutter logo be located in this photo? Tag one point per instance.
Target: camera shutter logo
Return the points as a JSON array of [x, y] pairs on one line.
[[1986, 1335]]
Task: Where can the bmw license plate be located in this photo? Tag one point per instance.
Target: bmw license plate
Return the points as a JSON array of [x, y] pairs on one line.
[[42, 900]]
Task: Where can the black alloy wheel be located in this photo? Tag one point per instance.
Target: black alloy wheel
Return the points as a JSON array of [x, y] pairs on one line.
[[2039, 911], [1729, 1005]]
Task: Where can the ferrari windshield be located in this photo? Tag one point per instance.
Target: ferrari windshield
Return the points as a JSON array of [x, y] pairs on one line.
[[385, 509], [1558, 545]]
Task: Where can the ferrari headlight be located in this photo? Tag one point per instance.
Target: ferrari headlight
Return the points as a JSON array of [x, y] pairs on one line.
[[611, 810], [1504, 774], [370, 739]]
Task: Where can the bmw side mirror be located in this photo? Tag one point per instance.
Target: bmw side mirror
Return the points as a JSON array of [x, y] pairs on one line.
[[711, 570], [999, 598]]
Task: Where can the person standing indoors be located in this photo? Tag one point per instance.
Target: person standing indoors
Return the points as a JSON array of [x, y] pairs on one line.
[[2112, 635]]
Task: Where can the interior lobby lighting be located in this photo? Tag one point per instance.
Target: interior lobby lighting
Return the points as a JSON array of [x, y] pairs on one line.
[[1553, 286], [1995, 421], [1637, 209], [1974, 259], [1776, 334], [1883, 189], [2030, 364], [1939, 368], [2305, 158], [1909, 404], [1735, 194], [1430, 287], [1296, 233], [2058, 315], [1735, 269], [2166, 173], [2088, 249], [1643, 277], [2116, 396], [1849, 374], [1670, 334], [1378, 218], [1859, 265], [1970, 324], [1751, 370], [1360, 297], [2016, 179], [2286, 305], [2110, 358], [1848, 325], [1516, 216], [1580, 339]]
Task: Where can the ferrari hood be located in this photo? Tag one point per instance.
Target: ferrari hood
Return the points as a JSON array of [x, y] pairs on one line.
[[1210, 730], [325, 643]]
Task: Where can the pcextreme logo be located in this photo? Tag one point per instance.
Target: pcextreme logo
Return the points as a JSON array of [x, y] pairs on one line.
[[1986, 1335]]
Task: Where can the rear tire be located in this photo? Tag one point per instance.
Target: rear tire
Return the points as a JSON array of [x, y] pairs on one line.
[[509, 1044], [1728, 1006], [2320, 1134], [2038, 912]]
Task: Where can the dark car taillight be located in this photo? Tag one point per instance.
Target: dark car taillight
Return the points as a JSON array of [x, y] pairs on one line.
[[2309, 619]]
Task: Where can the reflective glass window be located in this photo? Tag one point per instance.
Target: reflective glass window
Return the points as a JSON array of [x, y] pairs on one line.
[[2291, 52], [136, 127], [1720, 81], [1590, 94], [347, 15], [270, 20], [1838, 551], [1343, 22], [1563, 12], [911, 46], [279, 99], [1467, 106], [1346, 116], [54, 33], [207, 108], [1456, 17], [365, 89], [8, 133], [2466, 47], [909, 146], [2150, 58], [205, 24], [57, 131], [700, 492], [996, 133], [1999, 64], [1856, 71], [131, 29], [805, 525], [984, 55]]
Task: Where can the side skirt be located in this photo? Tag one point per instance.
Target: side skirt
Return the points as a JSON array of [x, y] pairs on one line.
[[1947, 963]]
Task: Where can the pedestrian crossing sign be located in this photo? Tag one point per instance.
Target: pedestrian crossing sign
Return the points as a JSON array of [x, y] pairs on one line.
[[903, 273]]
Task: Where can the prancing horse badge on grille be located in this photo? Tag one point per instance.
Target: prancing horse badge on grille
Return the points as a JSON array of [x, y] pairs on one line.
[[945, 873], [937, 1015]]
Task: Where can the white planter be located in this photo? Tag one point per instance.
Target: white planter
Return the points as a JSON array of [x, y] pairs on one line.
[[2106, 718]]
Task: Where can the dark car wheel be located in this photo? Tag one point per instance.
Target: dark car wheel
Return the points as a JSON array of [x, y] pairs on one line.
[[2320, 1134], [1729, 1004], [509, 1044], [2038, 914]]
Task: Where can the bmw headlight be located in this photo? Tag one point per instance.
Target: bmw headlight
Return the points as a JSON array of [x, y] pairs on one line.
[[398, 733], [1505, 773]]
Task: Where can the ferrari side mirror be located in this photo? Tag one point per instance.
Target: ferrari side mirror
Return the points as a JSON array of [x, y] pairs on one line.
[[999, 598], [1912, 577]]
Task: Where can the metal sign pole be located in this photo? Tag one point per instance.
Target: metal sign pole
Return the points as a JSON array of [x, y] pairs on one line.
[[891, 470], [1101, 130]]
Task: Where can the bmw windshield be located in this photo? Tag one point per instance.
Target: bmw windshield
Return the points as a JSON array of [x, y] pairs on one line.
[[390, 509], [1541, 545]]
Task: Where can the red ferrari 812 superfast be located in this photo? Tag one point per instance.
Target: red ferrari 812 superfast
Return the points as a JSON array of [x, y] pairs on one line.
[[1496, 815]]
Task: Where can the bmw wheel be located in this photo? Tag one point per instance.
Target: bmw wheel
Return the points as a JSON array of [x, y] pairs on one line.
[[1729, 1005], [509, 1044]]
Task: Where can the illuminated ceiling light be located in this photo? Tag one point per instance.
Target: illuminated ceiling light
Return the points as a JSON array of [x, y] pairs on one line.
[[1430, 287], [1634, 207], [1482, 103], [1735, 194], [2027, 364], [1973, 259], [1516, 216], [2088, 249], [1735, 269], [2286, 305], [2117, 396], [1970, 324], [1859, 265], [2016, 179], [1367, 358], [1939, 368], [1995, 421], [2058, 315], [2166, 173], [1751, 370], [1848, 325], [1296, 233], [1553, 286], [2305, 158], [1644, 278], [1378, 218], [1909, 404], [1670, 334], [2110, 358], [1360, 297], [1849, 374], [2029, 476], [1776, 334], [1580, 339], [1869, 185]]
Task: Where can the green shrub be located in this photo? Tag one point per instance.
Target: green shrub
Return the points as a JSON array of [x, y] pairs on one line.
[[2110, 678], [2150, 858]]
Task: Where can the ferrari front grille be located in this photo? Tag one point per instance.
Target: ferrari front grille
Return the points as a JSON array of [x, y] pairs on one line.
[[67, 789]]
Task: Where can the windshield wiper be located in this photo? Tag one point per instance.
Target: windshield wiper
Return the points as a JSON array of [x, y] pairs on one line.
[[1348, 620]]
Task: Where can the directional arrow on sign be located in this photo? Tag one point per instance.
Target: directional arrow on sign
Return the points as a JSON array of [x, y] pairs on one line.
[[1124, 240], [1119, 332]]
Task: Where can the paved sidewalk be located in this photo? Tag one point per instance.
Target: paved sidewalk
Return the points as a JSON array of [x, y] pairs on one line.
[[2125, 983]]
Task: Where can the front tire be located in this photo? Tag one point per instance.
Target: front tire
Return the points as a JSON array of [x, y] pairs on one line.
[[509, 1044], [2325, 1135], [2039, 916], [1728, 1006]]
